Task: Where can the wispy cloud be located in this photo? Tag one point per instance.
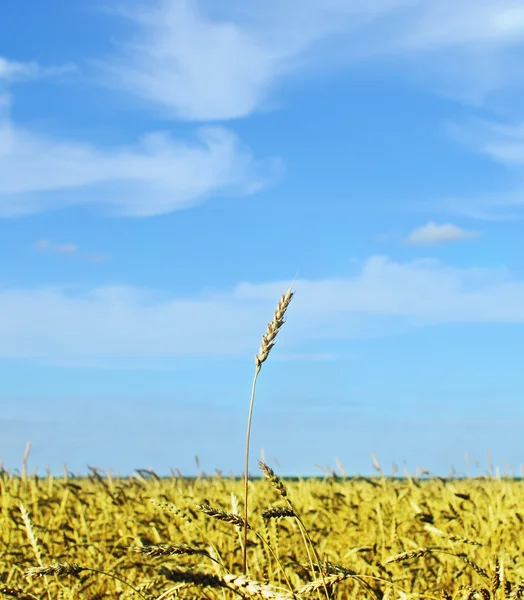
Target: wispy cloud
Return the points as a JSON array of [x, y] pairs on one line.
[[67, 249], [382, 298], [469, 49], [466, 48], [432, 234], [48, 246], [12, 71], [503, 142], [157, 175]]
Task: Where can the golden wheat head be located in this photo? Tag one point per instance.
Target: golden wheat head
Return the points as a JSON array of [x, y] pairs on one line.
[[273, 327]]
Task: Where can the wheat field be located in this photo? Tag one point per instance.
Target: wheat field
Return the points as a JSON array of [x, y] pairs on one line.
[[144, 536], [178, 537]]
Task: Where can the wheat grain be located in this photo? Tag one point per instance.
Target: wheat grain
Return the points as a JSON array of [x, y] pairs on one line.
[[167, 550], [273, 327], [238, 583], [278, 512], [273, 478], [222, 515], [58, 569], [403, 556]]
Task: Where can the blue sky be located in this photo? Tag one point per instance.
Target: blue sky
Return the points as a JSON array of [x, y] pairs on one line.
[[168, 167]]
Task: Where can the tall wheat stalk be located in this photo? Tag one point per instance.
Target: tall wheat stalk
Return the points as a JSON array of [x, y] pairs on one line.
[[268, 341]]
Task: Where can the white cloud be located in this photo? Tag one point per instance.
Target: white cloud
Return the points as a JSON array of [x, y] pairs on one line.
[[67, 249], [432, 234], [13, 71], [446, 23], [501, 141], [382, 298], [155, 176], [208, 61], [10, 70]]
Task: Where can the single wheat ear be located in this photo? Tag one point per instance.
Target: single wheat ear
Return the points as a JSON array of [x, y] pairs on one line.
[[278, 512], [496, 576], [246, 587], [273, 478], [268, 341], [409, 555], [167, 550], [222, 515], [64, 568], [273, 327]]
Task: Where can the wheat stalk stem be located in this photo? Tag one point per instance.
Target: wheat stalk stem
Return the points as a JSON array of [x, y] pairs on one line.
[[268, 341]]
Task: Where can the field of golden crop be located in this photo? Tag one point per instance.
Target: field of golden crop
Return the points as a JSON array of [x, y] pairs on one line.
[[147, 537]]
